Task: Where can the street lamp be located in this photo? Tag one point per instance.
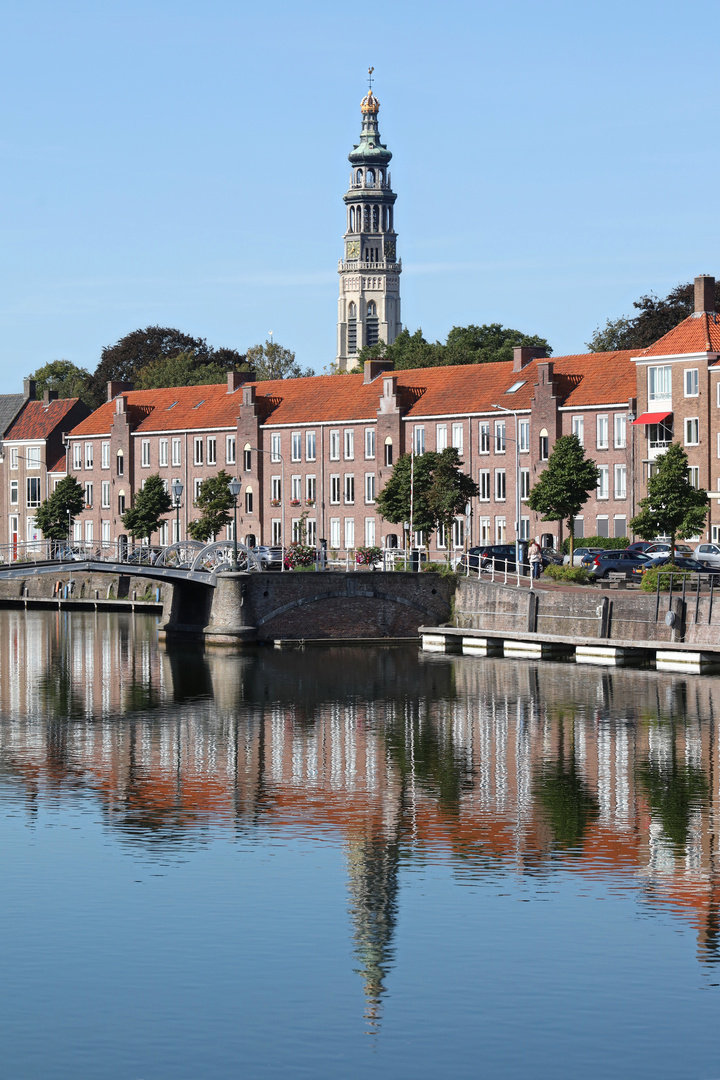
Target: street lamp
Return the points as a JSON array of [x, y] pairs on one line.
[[177, 490], [517, 485], [235, 486]]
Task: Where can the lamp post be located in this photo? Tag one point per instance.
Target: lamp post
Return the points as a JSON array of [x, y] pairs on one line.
[[177, 490], [517, 484], [235, 486]]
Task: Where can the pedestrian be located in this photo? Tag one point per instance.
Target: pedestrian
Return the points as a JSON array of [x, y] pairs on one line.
[[535, 557]]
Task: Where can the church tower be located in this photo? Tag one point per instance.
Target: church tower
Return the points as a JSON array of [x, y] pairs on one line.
[[369, 304]]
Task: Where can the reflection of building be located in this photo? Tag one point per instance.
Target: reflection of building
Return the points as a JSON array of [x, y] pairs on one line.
[[495, 765]]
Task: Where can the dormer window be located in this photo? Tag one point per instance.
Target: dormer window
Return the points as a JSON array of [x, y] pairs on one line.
[[516, 386]]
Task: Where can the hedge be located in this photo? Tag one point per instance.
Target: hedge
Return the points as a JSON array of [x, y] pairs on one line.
[[608, 543]]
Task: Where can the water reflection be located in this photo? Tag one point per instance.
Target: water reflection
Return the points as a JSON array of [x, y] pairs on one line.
[[500, 767]]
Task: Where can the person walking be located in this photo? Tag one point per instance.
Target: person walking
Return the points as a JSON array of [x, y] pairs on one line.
[[535, 558]]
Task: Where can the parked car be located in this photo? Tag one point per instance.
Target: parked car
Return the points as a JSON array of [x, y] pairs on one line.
[[663, 548], [552, 557], [579, 554], [144, 555], [270, 558], [614, 562], [639, 545], [684, 563], [709, 553]]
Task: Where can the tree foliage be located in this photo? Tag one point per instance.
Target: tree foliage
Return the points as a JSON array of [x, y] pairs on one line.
[[272, 361], [51, 517], [565, 485], [440, 491], [656, 316], [69, 381], [215, 502], [672, 505], [149, 505], [464, 345], [180, 370]]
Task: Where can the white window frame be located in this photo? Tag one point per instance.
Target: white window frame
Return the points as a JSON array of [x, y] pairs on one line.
[[500, 485], [620, 431], [603, 432], [369, 443], [296, 488], [441, 438], [88, 494], [276, 446], [500, 437], [524, 485], [349, 489], [212, 450], [484, 437], [162, 453], [198, 450], [578, 428], [603, 484], [691, 429], [145, 453], [457, 437], [276, 489], [77, 457], [310, 446], [310, 489], [105, 494], [14, 492], [484, 485], [419, 440], [349, 444], [369, 488], [296, 446], [230, 449], [334, 444], [691, 382], [335, 490], [105, 455], [89, 455], [694, 476], [349, 533], [659, 383], [176, 451], [620, 481], [524, 436]]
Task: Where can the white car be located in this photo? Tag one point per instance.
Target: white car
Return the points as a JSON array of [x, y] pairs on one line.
[[578, 554], [709, 553]]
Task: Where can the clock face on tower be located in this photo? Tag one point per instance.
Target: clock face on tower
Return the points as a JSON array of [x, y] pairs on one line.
[[390, 250], [352, 249]]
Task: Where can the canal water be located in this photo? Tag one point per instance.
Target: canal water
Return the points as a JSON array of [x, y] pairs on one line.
[[350, 862]]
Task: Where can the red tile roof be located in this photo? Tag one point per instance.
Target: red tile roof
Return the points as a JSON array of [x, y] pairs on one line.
[[38, 420], [589, 379], [696, 334]]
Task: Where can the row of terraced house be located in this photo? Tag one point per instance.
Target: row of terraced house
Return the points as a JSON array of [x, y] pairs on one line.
[[313, 453]]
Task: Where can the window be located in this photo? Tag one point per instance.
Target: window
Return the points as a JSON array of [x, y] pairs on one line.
[[524, 436], [105, 533], [276, 531], [77, 456], [620, 428], [275, 450], [145, 453], [524, 484], [603, 484], [120, 463], [660, 383], [247, 459], [296, 489], [369, 442], [296, 446], [619, 525], [349, 489], [458, 532], [295, 532], [162, 453], [14, 492], [335, 533], [197, 451], [484, 530], [335, 489], [441, 540], [310, 490], [32, 457], [349, 444], [335, 446], [457, 437], [440, 437], [660, 435], [349, 533], [603, 433], [484, 437], [370, 487], [88, 532], [692, 382], [88, 455], [500, 485], [230, 450], [500, 530], [516, 386], [499, 436], [212, 450], [692, 431], [105, 455], [88, 494], [275, 490], [694, 476], [544, 445], [77, 532], [176, 451], [105, 494], [620, 481], [578, 428], [388, 451], [310, 446], [419, 440], [14, 457], [33, 491], [369, 532], [602, 526], [248, 501], [484, 485], [121, 503], [524, 528], [311, 527]]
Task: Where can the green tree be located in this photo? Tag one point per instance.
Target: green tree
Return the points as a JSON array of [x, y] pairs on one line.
[[488, 344], [451, 490], [656, 317], [52, 514], [150, 503], [180, 370], [69, 381], [440, 491], [565, 485], [273, 361], [215, 501], [672, 505]]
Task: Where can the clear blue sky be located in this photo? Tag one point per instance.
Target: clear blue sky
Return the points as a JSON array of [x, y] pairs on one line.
[[184, 164]]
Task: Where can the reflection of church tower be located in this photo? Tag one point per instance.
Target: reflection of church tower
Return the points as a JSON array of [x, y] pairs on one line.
[[373, 887], [369, 304]]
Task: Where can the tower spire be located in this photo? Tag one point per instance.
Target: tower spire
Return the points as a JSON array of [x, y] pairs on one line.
[[369, 304]]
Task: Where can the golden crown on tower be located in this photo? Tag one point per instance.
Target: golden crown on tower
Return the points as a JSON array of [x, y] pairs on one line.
[[370, 103]]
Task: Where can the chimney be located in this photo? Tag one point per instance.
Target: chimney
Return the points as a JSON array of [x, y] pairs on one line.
[[248, 395], [235, 379], [704, 294], [545, 373], [50, 395], [121, 403], [523, 354], [115, 387], [373, 368], [29, 389]]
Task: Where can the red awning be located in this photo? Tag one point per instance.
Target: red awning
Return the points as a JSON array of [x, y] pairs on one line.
[[652, 417]]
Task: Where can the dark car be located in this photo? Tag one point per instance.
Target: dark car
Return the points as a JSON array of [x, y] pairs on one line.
[[614, 562], [639, 545], [501, 557], [697, 566], [551, 556]]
